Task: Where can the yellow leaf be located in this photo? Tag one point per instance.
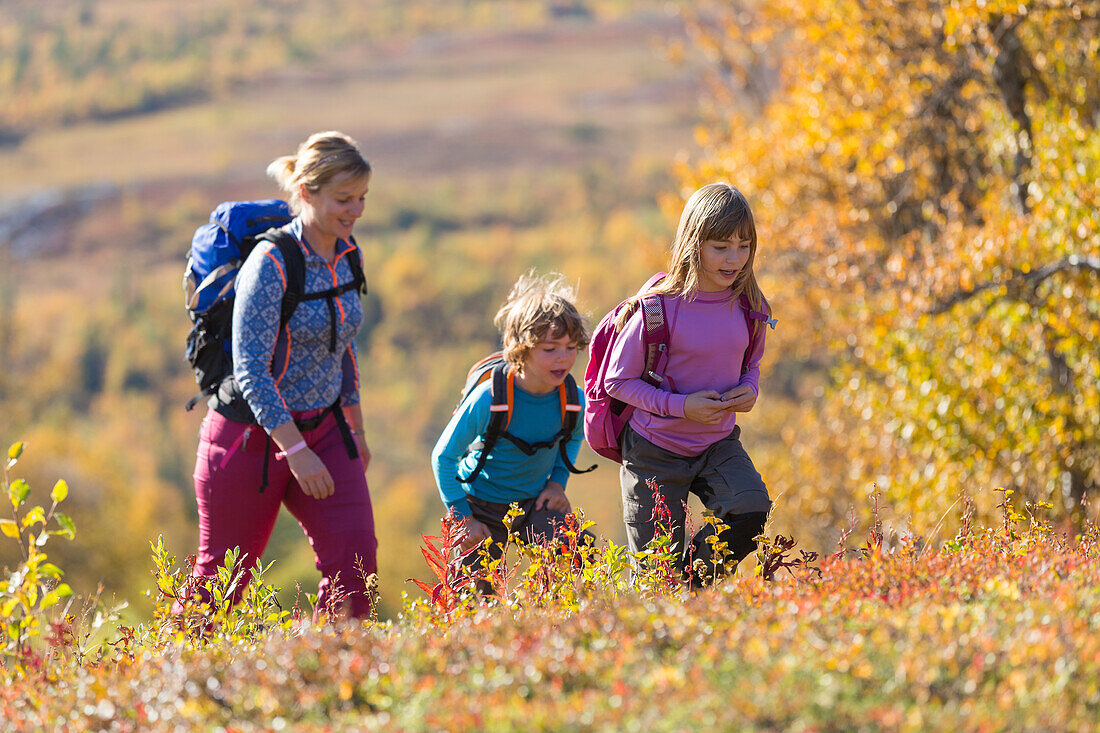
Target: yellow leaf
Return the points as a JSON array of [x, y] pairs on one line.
[[8, 527]]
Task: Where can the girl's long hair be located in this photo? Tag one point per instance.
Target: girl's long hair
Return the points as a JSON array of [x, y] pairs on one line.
[[717, 211]]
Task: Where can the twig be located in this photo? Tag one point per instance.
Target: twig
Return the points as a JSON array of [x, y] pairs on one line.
[[1033, 278], [936, 529]]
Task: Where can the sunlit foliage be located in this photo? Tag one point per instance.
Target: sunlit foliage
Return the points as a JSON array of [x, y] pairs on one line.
[[926, 177], [891, 632]]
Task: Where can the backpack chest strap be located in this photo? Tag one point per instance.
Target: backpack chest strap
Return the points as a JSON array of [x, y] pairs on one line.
[[502, 393]]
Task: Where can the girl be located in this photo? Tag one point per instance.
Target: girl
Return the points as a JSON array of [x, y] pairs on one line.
[[306, 447], [687, 439]]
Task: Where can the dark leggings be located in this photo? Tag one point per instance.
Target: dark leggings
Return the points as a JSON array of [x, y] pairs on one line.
[[723, 477]]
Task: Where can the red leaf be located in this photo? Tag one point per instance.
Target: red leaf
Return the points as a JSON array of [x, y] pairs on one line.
[[422, 586]]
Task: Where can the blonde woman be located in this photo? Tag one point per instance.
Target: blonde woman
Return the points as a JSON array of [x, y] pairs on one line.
[[304, 446]]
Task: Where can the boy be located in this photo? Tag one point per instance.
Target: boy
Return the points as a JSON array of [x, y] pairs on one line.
[[542, 333]]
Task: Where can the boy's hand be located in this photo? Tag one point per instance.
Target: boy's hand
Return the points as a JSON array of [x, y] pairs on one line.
[[476, 533], [705, 407], [739, 399], [553, 497]]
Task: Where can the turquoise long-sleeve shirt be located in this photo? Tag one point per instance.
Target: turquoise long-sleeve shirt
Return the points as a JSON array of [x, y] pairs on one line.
[[508, 475]]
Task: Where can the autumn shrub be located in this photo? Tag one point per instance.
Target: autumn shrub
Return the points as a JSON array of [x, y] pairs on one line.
[[34, 586], [565, 570], [892, 631], [234, 609], [925, 180]]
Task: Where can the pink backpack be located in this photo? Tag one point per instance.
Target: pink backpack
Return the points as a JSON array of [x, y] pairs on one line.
[[604, 416]]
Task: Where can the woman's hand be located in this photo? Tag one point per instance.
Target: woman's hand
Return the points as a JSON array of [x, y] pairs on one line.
[[705, 407], [364, 451], [304, 464], [476, 533], [553, 497], [311, 473], [353, 414], [739, 399]]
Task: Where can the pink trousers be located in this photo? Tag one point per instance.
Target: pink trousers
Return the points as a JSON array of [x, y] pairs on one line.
[[234, 512]]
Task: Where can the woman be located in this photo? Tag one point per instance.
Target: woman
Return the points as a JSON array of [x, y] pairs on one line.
[[306, 448]]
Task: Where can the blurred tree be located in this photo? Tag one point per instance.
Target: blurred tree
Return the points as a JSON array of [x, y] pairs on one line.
[[926, 177]]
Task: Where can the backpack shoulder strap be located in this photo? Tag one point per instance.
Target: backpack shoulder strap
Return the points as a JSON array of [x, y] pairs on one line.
[[655, 335], [501, 392], [570, 414], [355, 262], [754, 315], [295, 263], [358, 280]]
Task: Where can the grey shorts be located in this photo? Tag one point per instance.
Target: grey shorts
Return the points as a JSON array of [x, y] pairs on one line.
[[723, 477]]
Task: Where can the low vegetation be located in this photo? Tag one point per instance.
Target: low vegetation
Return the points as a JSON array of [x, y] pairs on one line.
[[993, 625]]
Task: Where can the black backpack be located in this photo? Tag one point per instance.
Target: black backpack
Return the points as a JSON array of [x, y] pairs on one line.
[[218, 250], [501, 390]]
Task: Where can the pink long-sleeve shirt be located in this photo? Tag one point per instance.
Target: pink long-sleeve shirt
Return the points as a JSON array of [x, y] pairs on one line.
[[707, 348]]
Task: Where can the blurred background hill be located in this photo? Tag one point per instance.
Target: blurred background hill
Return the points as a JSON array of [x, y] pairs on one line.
[[924, 177]]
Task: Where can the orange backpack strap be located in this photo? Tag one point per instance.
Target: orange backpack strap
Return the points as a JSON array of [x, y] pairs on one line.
[[509, 395], [501, 392]]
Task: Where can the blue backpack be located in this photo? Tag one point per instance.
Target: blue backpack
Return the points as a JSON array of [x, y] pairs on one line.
[[218, 250]]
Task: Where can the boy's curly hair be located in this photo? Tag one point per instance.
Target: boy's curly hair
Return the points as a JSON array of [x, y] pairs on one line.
[[539, 307]]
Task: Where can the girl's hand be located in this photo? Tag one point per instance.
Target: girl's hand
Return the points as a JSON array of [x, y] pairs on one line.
[[311, 473], [739, 399], [553, 497], [476, 533], [705, 407]]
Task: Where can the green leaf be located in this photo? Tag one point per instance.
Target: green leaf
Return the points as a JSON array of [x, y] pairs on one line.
[[60, 491], [9, 528], [55, 595], [34, 515], [19, 490], [50, 570], [66, 524]]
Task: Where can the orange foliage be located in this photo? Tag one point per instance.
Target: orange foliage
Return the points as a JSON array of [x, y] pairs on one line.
[[925, 175]]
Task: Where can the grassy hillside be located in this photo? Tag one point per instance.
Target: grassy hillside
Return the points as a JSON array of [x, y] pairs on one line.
[[67, 62], [505, 135]]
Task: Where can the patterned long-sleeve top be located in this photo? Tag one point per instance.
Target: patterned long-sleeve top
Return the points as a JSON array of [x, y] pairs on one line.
[[293, 369]]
